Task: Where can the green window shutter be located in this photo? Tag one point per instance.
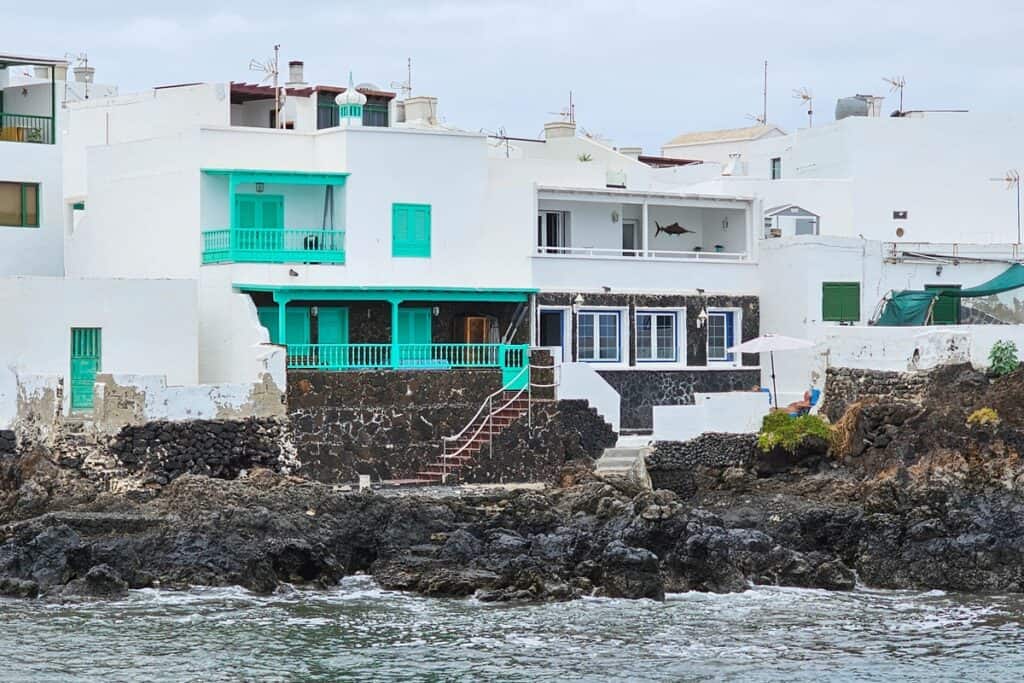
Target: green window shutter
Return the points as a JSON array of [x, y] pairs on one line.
[[272, 210], [245, 212], [86, 354], [840, 301], [410, 230], [414, 326], [297, 320]]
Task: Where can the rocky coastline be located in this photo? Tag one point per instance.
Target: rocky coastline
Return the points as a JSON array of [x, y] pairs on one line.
[[911, 494]]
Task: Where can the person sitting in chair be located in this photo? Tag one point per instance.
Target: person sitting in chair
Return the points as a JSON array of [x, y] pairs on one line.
[[801, 407]]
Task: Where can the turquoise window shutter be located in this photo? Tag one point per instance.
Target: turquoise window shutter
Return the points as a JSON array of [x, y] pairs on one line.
[[333, 325], [410, 230]]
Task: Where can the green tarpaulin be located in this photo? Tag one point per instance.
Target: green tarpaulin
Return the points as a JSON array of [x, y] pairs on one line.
[[913, 307]]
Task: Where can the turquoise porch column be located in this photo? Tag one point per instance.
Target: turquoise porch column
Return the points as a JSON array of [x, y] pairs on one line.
[[282, 318], [394, 332]]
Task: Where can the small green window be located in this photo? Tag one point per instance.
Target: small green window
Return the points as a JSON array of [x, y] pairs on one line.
[[410, 230], [840, 301], [19, 205]]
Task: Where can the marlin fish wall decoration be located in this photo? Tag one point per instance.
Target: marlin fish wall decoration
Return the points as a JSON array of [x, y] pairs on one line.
[[671, 229]]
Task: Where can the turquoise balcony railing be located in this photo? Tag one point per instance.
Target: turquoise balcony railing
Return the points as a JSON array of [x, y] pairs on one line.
[[26, 128], [512, 359], [248, 245]]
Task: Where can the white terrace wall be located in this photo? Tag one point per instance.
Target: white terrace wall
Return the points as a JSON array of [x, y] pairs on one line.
[[34, 251], [148, 327]]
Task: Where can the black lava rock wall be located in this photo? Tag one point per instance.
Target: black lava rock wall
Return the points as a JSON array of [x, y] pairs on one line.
[[216, 448], [674, 465], [8, 442], [387, 424]]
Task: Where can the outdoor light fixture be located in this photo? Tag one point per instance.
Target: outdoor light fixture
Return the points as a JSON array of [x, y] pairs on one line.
[[437, 311], [576, 303], [259, 187], [702, 318], [938, 271], [615, 216]]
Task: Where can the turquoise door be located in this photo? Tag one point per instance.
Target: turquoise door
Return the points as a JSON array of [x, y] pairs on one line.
[[86, 351], [296, 321], [414, 337], [261, 217], [333, 337]]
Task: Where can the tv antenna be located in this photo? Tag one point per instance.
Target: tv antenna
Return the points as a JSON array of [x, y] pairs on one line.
[[270, 69], [405, 87], [763, 118], [896, 84], [803, 95], [568, 113], [501, 137], [1012, 180]]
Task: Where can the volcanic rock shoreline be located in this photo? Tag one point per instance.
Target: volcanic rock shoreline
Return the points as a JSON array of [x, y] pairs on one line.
[[910, 496]]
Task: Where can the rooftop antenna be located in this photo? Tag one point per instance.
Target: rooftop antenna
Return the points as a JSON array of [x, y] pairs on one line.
[[803, 95], [1012, 180], [501, 136], [568, 113], [764, 96], [81, 59], [269, 68], [897, 83], [405, 87]]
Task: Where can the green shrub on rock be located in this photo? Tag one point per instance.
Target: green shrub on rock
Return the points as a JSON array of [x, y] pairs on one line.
[[781, 430], [1002, 359]]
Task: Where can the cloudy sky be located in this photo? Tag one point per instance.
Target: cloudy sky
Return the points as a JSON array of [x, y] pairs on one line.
[[640, 72]]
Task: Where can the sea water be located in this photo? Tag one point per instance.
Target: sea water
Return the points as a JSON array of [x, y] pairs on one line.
[[359, 632]]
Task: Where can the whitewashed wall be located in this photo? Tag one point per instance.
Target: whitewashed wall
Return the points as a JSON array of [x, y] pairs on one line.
[[34, 251], [735, 412], [149, 327]]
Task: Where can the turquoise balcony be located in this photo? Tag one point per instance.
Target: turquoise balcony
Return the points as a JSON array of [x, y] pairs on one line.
[[250, 245]]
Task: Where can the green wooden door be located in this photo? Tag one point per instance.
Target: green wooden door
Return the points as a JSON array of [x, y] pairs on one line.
[[414, 337], [296, 322], [261, 217], [86, 353], [333, 325], [947, 309]]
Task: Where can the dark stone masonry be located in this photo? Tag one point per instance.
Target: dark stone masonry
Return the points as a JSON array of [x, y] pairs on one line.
[[8, 443], [216, 448], [537, 449], [641, 390], [674, 465], [844, 386], [387, 424]]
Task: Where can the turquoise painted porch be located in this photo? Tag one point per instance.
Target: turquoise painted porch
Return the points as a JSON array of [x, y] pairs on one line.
[[408, 348], [257, 231]]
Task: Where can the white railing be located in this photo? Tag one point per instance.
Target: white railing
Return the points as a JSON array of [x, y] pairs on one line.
[[931, 251], [604, 253]]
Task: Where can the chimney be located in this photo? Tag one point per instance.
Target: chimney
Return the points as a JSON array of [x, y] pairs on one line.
[[295, 75], [559, 129], [735, 165], [84, 74], [421, 110], [631, 152]]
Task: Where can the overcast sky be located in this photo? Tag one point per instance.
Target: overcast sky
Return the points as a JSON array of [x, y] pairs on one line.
[[640, 72]]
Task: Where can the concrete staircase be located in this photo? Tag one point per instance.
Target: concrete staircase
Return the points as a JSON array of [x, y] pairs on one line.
[[508, 406], [625, 463]]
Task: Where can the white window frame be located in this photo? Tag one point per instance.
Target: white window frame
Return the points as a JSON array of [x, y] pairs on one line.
[[737, 327], [623, 336], [679, 332], [563, 231]]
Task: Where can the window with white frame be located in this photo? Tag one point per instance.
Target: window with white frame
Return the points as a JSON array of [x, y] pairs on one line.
[[552, 231], [598, 336], [721, 335], [656, 336]]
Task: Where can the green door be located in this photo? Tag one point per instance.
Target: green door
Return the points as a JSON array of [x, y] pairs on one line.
[[414, 337], [86, 352], [947, 308], [332, 330], [296, 321], [261, 216]]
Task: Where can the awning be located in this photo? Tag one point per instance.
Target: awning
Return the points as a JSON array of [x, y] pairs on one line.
[[914, 307]]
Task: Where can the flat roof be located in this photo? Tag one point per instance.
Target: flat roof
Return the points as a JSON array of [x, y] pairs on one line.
[[25, 60], [642, 194]]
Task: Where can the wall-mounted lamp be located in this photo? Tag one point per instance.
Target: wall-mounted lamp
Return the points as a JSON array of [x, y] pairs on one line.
[[938, 270], [615, 216], [260, 187], [437, 311], [702, 318], [576, 303], [725, 223], [314, 311]]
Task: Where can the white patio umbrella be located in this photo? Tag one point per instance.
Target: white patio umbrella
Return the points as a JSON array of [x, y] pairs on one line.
[[771, 343]]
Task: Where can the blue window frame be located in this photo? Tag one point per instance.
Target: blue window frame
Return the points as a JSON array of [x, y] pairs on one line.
[[721, 335], [598, 336], [657, 337]]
